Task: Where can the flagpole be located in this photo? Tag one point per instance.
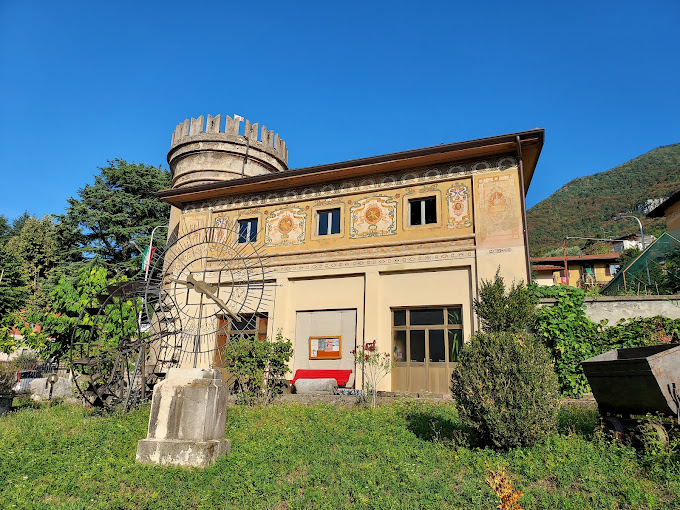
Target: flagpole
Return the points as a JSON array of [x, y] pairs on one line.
[[148, 264]]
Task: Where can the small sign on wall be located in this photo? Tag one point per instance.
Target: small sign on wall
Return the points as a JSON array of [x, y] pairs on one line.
[[325, 347]]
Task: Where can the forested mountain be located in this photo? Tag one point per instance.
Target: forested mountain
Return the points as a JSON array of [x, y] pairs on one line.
[[584, 206]]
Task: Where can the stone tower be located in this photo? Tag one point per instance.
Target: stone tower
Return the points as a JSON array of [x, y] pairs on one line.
[[203, 153]]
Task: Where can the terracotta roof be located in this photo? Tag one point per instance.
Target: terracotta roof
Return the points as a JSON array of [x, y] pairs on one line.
[[575, 258], [547, 268]]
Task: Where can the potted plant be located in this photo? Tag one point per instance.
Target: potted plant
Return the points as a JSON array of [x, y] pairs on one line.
[[7, 382]]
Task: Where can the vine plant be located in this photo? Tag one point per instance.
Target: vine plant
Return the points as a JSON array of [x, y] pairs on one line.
[[573, 337]]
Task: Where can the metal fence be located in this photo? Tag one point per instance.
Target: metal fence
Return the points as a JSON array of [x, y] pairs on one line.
[[638, 276]]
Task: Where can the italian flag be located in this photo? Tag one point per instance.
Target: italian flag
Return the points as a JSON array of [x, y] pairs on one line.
[[148, 255]]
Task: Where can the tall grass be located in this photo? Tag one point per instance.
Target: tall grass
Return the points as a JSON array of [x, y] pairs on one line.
[[402, 455]]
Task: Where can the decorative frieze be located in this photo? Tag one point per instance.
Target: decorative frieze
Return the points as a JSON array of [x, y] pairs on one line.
[[374, 252], [352, 186], [368, 262]]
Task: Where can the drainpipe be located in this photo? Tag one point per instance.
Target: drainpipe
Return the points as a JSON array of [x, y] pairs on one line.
[[524, 208]]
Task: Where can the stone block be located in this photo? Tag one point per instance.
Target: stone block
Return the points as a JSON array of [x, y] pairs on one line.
[[63, 388], [316, 386], [187, 421]]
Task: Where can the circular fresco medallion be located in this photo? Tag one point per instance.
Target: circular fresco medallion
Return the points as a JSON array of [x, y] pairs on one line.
[[285, 224], [373, 214]]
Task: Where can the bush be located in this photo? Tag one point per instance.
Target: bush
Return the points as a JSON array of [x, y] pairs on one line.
[[569, 334], [375, 366], [8, 378], [27, 360], [498, 311], [572, 337], [258, 367], [506, 389]]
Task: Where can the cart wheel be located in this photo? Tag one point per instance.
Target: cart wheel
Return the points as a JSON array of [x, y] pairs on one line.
[[661, 433], [614, 427]]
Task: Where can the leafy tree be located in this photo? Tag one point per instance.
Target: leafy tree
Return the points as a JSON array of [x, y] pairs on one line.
[[627, 256], [5, 229], [572, 251], [598, 248], [32, 244], [118, 208], [35, 245], [671, 280], [13, 285], [69, 298], [19, 223]]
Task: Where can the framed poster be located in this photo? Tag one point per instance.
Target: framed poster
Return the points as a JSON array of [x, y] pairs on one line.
[[325, 347]]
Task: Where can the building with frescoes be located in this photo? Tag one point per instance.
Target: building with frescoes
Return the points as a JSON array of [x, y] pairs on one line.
[[390, 248]]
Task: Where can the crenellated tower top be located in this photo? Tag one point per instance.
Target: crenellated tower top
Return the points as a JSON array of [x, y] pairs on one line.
[[203, 151]]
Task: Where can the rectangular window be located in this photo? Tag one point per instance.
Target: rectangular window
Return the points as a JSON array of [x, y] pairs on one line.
[[247, 230], [422, 211], [432, 335], [399, 345], [328, 222], [248, 325], [417, 346], [588, 273]]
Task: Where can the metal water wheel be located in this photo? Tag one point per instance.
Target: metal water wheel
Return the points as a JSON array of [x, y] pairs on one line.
[[115, 354]]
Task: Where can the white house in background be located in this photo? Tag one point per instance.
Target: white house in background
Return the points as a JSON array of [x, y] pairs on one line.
[[634, 240]]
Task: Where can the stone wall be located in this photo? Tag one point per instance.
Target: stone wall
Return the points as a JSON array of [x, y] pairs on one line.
[[614, 308]]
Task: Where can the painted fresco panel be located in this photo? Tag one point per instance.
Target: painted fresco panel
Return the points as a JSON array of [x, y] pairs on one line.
[[220, 233], [285, 227], [458, 206], [372, 217], [499, 215]]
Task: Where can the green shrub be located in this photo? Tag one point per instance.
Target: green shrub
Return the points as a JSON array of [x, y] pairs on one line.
[[641, 331], [501, 311], [506, 389], [27, 360], [8, 378], [257, 367], [572, 337]]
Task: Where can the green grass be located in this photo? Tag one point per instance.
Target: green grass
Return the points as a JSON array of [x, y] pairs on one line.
[[402, 455]]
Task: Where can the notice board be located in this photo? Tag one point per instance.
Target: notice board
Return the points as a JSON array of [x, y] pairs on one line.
[[325, 347]]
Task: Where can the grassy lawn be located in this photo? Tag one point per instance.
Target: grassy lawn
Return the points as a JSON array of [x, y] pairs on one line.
[[401, 455]]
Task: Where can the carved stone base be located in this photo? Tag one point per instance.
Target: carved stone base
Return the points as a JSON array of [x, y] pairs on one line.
[[176, 452], [187, 421]]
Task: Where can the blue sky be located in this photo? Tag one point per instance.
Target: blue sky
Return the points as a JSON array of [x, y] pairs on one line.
[[85, 82]]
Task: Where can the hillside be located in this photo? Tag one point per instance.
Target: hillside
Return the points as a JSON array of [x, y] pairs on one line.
[[584, 206]]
